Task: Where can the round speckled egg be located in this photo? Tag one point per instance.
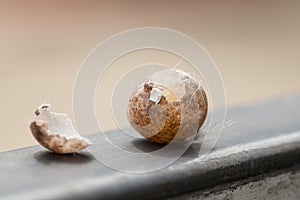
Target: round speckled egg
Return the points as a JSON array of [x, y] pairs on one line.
[[169, 104]]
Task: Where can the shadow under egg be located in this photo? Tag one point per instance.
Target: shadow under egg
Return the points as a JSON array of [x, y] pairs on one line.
[[47, 157]]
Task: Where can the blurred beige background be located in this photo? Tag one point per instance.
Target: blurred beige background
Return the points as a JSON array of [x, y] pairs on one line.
[[43, 43]]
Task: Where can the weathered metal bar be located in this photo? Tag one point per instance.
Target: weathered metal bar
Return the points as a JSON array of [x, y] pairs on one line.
[[264, 143]]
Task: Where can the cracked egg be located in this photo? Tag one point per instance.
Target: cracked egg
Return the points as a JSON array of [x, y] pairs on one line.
[[56, 132], [169, 104]]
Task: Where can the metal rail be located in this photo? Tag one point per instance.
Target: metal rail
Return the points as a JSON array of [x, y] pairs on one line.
[[265, 142]]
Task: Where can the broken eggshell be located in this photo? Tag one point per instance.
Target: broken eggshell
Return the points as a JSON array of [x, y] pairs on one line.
[[169, 104], [56, 132]]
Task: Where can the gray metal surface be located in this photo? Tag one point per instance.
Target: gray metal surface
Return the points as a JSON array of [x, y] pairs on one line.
[[274, 187], [264, 140]]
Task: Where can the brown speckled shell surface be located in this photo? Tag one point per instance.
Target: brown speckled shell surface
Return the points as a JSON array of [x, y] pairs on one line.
[[183, 117], [55, 142]]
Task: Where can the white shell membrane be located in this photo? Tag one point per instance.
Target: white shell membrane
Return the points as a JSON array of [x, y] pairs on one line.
[[55, 131]]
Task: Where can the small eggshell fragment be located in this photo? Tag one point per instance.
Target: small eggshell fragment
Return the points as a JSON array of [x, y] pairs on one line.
[[56, 132], [168, 104]]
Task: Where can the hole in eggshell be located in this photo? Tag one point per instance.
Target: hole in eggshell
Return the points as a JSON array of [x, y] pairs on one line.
[[44, 107], [37, 112]]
